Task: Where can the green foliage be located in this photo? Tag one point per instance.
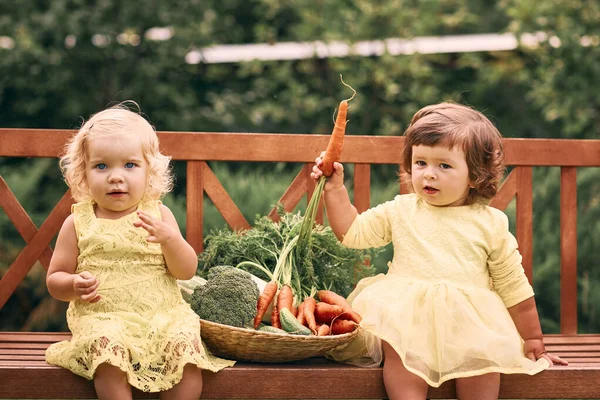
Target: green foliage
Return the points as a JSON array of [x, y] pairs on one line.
[[557, 69], [228, 297], [336, 267]]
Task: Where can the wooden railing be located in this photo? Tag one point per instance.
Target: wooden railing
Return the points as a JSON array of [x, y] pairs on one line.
[[199, 147]]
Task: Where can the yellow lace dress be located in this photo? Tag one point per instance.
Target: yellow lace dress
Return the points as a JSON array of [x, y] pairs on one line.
[[141, 325], [443, 304]]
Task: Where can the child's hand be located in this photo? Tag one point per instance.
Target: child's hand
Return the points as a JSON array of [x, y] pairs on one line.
[[335, 181], [534, 350], [85, 285], [159, 231]]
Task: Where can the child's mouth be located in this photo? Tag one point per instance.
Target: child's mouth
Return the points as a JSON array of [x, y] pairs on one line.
[[430, 190], [117, 194]]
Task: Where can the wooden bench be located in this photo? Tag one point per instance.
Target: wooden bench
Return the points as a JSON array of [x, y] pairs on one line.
[[24, 373]]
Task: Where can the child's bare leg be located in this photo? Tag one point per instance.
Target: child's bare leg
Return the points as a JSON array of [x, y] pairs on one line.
[[400, 383], [482, 387], [188, 388], [111, 383]]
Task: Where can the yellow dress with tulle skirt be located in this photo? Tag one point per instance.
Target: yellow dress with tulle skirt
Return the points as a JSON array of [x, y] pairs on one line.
[[141, 325], [443, 304]]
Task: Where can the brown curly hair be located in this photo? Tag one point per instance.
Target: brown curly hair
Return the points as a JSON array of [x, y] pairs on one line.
[[449, 124]]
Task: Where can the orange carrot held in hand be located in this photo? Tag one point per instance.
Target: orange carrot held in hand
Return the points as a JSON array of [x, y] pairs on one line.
[[325, 313], [264, 300], [336, 142], [333, 298]]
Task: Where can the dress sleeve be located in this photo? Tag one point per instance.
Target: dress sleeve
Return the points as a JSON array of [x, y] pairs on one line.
[[372, 228], [506, 269]]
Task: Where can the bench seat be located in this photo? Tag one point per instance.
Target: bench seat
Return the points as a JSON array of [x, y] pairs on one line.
[[24, 374]]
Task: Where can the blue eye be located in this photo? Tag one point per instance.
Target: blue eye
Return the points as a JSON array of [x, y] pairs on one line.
[[101, 166], [445, 166], [130, 165], [420, 163]]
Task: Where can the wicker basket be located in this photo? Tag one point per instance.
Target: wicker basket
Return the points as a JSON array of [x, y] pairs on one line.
[[258, 346]]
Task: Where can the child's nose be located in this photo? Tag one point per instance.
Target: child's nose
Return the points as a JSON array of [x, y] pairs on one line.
[[115, 177], [429, 174]]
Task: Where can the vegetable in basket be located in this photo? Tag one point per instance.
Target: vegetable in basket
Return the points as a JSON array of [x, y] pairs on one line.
[[296, 257], [228, 297]]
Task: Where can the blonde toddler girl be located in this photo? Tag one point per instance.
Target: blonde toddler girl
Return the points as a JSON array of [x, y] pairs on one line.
[[117, 259]]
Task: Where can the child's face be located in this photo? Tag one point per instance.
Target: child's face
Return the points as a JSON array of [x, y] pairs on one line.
[[440, 176], [116, 174]]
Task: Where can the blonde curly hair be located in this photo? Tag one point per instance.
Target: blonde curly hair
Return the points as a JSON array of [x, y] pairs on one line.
[[116, 120], [449, 124]]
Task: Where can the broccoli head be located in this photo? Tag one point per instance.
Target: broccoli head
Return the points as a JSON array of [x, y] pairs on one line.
[[229, 297]]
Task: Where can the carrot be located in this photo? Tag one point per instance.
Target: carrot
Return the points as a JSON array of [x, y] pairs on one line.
[[309, 313], [264, 300], [275, 317], [300, 316], [333, 298], [285, 298], [336, 141], [325, 313], [323, 330], [341, 326]]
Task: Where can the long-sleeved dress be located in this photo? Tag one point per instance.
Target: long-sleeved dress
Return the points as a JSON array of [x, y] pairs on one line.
[[141, 325], [443, 304]]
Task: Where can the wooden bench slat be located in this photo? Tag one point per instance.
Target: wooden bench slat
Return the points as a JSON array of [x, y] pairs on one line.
[[194, 194], [571, 355], [202, 146], [573, 347], [568, 250], [33, 337], [525, 217], [4, 352], [591, 361], [22, 357], [580, 338], [25, 346]]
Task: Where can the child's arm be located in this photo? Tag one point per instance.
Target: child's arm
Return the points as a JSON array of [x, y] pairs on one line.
[[341, 213], [511, 284], [527, 321], [180, 257], [62, 281]]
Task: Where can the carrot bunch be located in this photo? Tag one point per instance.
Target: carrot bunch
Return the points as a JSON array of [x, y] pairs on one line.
[[332, 315], [294, 272]]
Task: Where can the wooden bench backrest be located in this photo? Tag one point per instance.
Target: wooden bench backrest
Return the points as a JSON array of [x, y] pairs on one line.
[[199, 147]]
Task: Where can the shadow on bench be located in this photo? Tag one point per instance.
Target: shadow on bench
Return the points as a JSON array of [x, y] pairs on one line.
[[25, 374]]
